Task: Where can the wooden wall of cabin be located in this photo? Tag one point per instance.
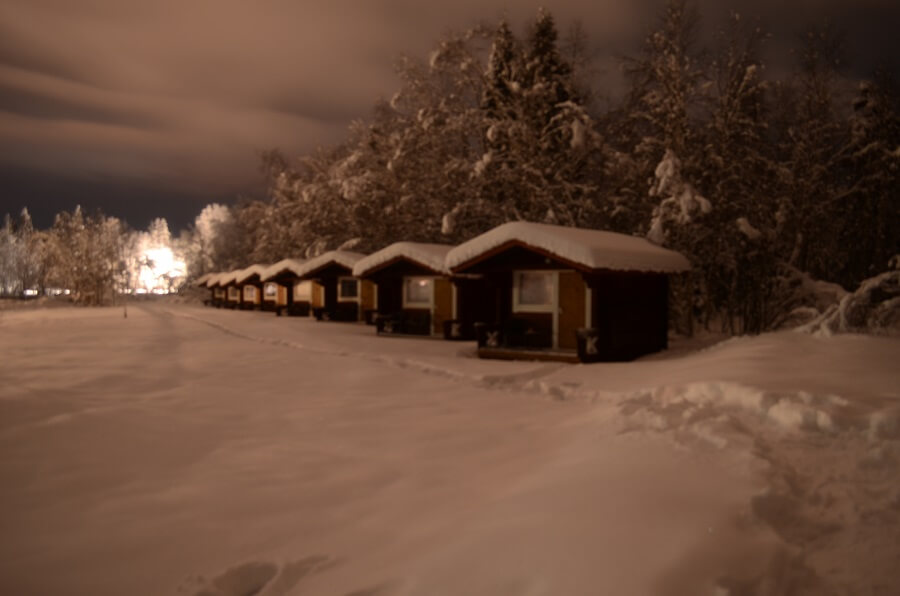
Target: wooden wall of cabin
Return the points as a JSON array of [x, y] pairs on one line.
[[630, 313], [367, 291], [443, 304], [317, 295]]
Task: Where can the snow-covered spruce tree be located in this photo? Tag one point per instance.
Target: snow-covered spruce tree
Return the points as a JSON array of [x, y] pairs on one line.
[[31, 269], [659, 114], [812, 142], [869, 200], [10, 251], [438, 138], [738, 262], [539, 140], [658, 156]]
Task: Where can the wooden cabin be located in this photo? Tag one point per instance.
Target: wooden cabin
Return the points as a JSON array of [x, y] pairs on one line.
[[249, 282], [571, 294], [232, 291], [415, 293], [340, 296], [217, 290], [283, 290]]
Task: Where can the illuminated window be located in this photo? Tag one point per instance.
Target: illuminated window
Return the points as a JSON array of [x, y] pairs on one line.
[[270, 290], [249, 293], [533, 291], [418, 292], [348, 288]]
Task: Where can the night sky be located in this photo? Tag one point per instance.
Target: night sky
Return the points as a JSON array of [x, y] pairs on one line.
[[148, 109]]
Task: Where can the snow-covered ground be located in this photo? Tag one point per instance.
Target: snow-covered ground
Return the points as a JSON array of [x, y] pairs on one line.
[[194, 451]]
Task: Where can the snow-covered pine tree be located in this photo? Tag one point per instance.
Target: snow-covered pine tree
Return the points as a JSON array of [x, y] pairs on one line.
[[539, 139], [813, 140], [739, 177], [658, 115], [870, 208], [9, 258]]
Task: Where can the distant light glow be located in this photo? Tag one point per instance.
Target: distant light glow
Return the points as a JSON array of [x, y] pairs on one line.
[[31, 292], [160, 271]]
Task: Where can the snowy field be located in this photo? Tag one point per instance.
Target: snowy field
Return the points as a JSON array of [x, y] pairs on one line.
[[194, 451]]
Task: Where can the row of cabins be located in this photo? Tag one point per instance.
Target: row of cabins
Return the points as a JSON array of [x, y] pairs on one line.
[[521, 290]]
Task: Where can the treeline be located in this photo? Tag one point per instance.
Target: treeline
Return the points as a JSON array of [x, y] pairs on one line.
[[761, 183], [92, 256]]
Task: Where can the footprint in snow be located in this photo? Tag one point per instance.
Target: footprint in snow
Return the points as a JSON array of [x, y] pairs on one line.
[[262, 578]]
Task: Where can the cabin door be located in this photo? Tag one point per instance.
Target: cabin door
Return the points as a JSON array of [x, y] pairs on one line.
[[571, 307]]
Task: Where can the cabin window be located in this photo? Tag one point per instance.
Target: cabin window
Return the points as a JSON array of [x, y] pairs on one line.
[[219, 293], [348, 288], [271, 290], [533, 291], [302, 291], [418, 292], [233, 293], [249, 293]]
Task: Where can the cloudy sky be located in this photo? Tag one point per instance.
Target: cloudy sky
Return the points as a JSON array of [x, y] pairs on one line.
[[155, 108]]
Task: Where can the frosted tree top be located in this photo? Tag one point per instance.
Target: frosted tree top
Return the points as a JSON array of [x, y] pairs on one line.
[[593, 249]]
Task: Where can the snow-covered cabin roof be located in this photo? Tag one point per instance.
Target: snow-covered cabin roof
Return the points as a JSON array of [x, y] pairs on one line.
[[282, 266], [244, 274], [430, 256], [590, 249], [201, 281], [345, 258], [222, 279]]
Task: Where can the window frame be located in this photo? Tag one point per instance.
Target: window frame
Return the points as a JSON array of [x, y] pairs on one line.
[[340, 294], [549, 307], [422, 305]]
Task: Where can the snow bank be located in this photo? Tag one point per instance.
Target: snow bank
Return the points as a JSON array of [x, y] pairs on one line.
[[344, 258], [430, 256], [593, 249]]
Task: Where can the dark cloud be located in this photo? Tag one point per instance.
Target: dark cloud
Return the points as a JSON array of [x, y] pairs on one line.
[[161, 106]]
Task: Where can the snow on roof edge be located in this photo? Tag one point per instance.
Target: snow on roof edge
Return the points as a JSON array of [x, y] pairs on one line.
[[292, 265], [344, 258], [245, 274], [429, 255], [593, 249]]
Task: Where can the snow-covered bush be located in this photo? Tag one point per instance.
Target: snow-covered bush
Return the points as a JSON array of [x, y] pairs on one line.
[[874, 308]]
